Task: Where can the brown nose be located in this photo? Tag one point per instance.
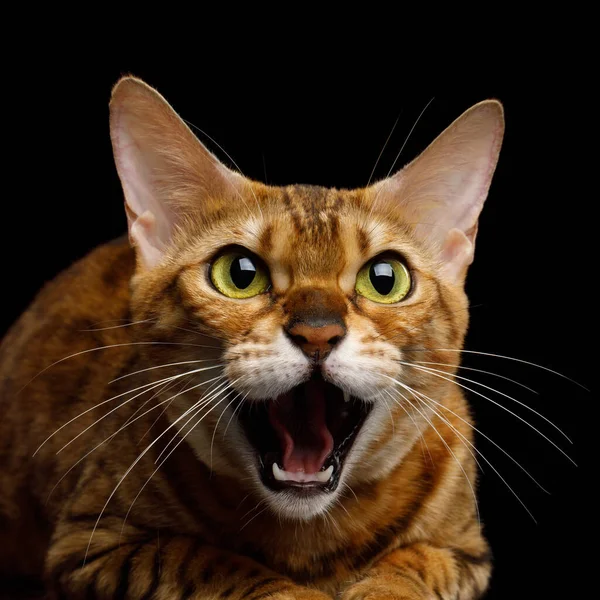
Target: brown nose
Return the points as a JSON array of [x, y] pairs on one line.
[[316, 342]]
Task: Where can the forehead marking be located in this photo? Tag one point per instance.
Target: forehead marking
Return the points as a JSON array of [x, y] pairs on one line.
[[292, 210], [266, 240], [363, 240]]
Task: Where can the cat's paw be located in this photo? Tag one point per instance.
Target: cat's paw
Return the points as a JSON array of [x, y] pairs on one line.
[[383, 594], [300, 594], [394, 589]]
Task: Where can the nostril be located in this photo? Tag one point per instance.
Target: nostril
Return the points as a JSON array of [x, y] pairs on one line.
[[299, 339], [334, 340]]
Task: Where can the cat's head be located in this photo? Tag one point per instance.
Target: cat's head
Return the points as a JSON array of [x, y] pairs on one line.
[[308, 309]]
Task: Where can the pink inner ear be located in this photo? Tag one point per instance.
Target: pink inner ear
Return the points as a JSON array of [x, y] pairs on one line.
[[137, 164], [457, 253], [143, 236]]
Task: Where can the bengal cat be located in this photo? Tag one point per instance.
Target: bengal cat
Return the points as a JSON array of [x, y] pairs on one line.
[[237, 402]]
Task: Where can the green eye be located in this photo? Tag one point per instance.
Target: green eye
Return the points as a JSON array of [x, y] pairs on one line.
[[239, 275], [383, 280]]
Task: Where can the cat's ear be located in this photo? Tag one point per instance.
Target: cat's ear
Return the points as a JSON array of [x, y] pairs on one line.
[[442, 191], [165, 171]]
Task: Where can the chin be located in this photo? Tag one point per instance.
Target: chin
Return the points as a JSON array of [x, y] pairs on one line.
[[300, 503]]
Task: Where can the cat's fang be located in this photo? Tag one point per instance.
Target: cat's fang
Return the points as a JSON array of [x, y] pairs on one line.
[[346, 396], [300, 477]]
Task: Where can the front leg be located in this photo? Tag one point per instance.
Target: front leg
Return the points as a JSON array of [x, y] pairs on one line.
[[179, 568], [425, 572]]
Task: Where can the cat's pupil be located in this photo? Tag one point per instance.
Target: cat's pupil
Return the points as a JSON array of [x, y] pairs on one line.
[[382, 277], [242, 272]]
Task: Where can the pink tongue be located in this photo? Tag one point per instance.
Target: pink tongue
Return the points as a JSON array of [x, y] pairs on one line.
[[305, 439]]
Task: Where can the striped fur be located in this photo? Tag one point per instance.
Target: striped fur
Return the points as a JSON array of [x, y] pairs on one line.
[[404, 524]]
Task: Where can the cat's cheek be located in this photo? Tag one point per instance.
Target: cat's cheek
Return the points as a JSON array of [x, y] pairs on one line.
[[364, 370], [386, 438], [265, 371], [217, 455]]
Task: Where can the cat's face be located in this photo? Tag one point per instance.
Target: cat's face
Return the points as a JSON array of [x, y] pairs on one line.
[[317, 303]]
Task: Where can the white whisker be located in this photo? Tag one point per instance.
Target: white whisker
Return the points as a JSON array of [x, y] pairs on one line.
[[253, 508], [425, 362], [202, 402], [424, 444], [481, 454], [398, 155], [234, 163], [339, 503], [212, 441], [519, 360], [327, 516], [127, 401], [129, 469], [147, 387], [171, 452], [118, 326], [503, 408], [113, 346], [212, 382], [183, 362], [487, 387], [241, 402], [167, 386], [382, 151], [443, 441], [254, 517], [351, 490], [242, 501], [409, 134], [390, 412], [413, 392], [129, 421], [486, 437], [198, 421], [183, 383]]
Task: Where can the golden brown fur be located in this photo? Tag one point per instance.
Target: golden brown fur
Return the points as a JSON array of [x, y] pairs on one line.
[[405, 523]]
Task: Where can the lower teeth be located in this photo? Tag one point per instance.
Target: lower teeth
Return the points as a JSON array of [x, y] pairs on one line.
[[301, 477]]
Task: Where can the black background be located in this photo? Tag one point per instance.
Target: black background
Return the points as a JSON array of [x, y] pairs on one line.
[[315, 122]]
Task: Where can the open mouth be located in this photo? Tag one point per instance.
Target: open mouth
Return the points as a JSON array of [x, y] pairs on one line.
[[303, 437]]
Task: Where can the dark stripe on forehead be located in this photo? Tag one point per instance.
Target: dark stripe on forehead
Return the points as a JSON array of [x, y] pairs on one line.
[[266, 240], [334, 225], [292, 210], [312, 202], [363, 240], [320, 213]]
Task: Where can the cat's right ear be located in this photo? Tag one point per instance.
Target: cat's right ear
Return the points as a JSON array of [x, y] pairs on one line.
[[166, 173]]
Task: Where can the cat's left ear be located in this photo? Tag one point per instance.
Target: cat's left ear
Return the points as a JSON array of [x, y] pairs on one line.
[[441, 193]]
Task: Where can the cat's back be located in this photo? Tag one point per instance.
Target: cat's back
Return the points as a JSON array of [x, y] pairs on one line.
[[91, 294], [39, 389], [69, 315]]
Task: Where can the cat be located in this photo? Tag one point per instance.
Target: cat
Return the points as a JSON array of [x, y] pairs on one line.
[[236, 400]]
